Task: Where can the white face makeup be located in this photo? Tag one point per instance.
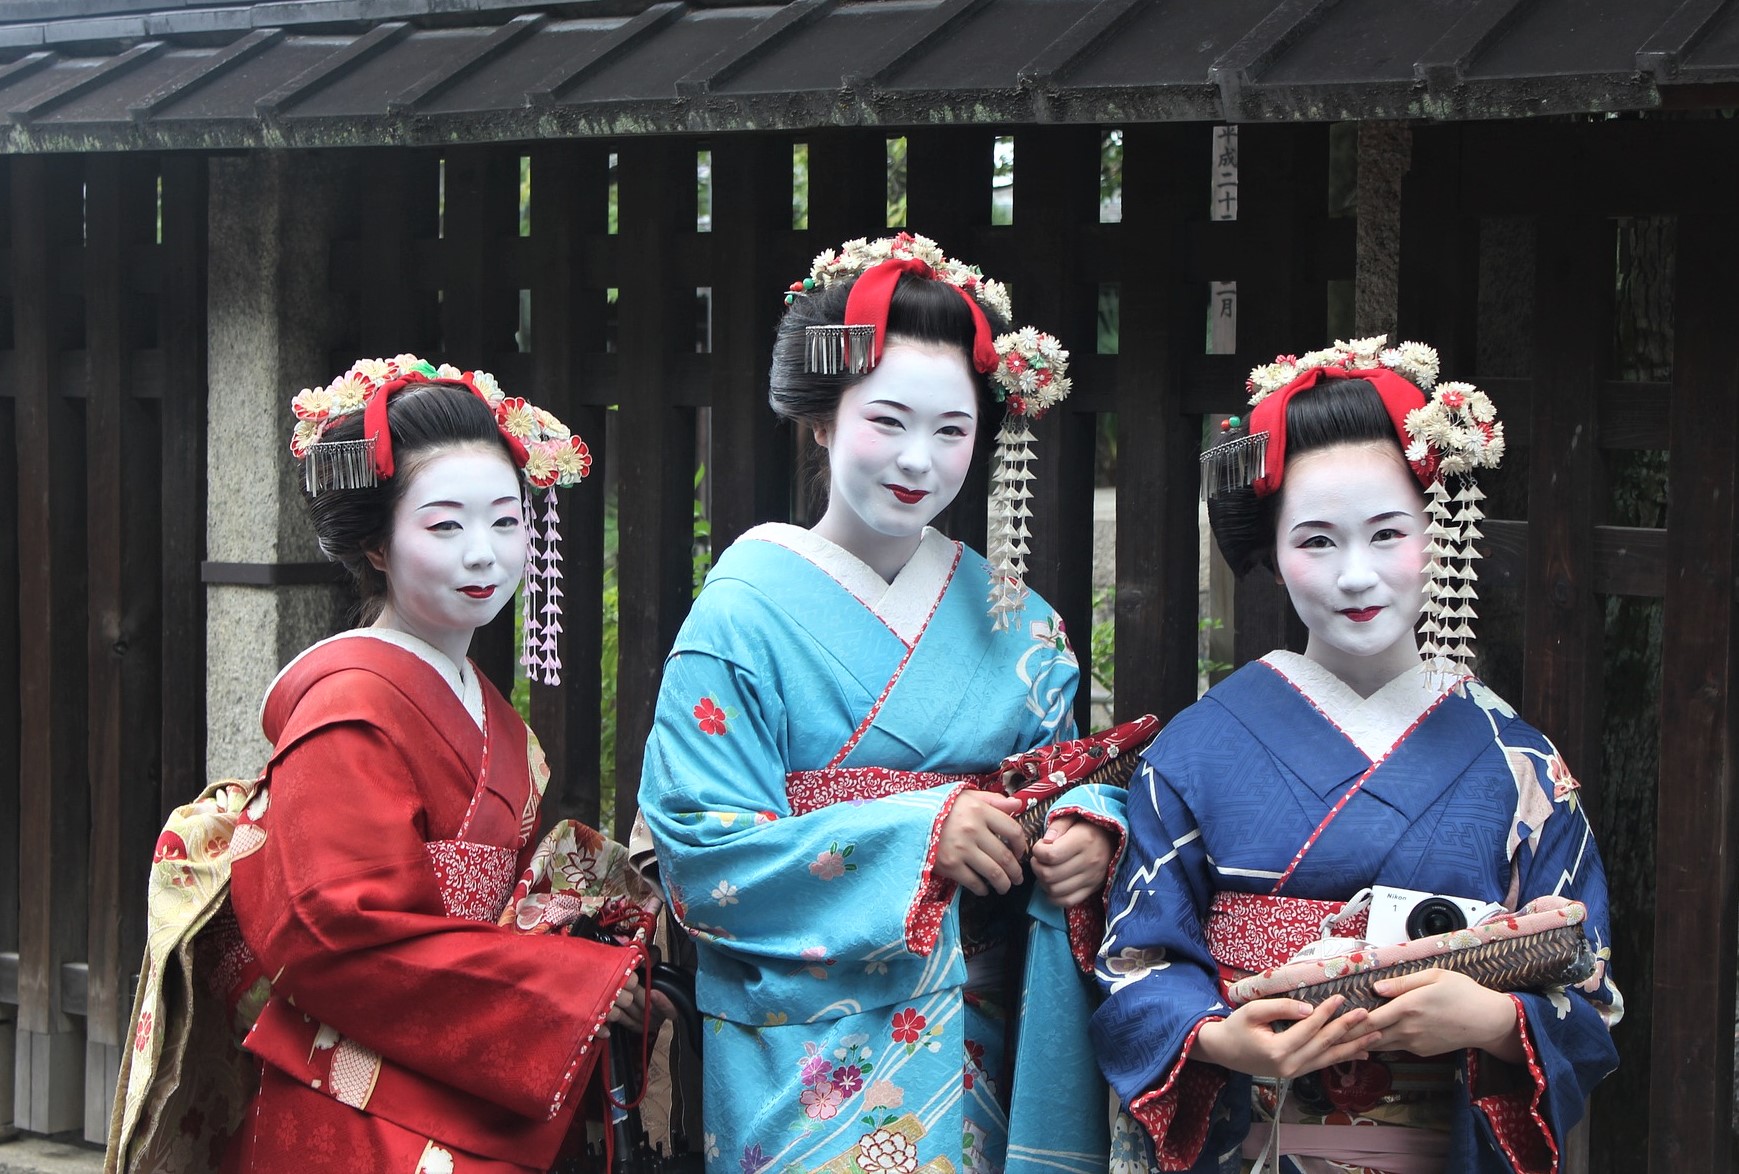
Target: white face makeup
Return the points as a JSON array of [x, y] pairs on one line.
[[1350, 548], [898, 452], [457, 550]]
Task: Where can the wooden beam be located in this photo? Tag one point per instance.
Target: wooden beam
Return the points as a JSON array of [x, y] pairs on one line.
[[655, 465], [329, 69], [948, 172], [569, 204], [747, 470], [606, 50], [1282, 307], [85, 82], [1561, 688], [1677, 36], [124, 629], [486, 49], [911, 42], [241, 51], [1167, 174], [1056, 194], [478, 318], [1697, 821], [181, 334], [54, 807], [753, 45]]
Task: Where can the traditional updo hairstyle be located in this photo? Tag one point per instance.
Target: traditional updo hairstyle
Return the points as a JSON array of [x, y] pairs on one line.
[[425, 420], [921, 309], [1335, 411]]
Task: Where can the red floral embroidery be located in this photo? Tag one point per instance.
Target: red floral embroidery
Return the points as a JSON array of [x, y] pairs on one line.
[[908, 1026], [711, 717], [142, 1036]]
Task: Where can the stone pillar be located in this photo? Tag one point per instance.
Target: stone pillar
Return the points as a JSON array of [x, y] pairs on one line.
[[272, 327], [1385, 152]]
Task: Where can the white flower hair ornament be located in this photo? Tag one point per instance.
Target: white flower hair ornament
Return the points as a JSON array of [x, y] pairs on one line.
[[1027, 370], [547, 454], [1447, 432]]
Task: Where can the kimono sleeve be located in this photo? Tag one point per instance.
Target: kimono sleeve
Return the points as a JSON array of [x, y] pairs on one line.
[[738, 865], [341, 904], [1159, 980], [1565, 1032]]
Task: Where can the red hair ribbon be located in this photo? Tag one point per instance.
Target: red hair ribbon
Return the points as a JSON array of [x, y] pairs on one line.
[[374, 426], [867, 305], [1399, 397]]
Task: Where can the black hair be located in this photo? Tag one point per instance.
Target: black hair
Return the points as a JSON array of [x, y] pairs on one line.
[[424, 421], [1335, 411], [923, 309]]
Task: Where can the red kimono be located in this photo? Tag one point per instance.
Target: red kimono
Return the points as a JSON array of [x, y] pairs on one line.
[[406, 1030]]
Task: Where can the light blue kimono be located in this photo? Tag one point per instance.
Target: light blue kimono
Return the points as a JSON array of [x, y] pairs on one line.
[[798, 772]]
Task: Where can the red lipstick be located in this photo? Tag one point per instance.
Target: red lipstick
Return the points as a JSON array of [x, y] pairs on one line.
[[478, 592], [909, 496], [1361, 615]]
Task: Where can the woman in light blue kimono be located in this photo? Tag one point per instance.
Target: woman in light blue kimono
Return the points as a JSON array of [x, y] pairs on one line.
[[809, 782]]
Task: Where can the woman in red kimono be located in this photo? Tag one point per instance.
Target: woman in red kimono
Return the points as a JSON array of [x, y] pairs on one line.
[[384, 872]]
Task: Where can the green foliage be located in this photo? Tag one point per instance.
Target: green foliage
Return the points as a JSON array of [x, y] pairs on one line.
[[800, 185], [1102, 642], [701, 541], [896, 168]]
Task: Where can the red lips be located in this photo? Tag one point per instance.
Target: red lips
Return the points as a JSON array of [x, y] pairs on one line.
[[909, 496], [1361, 615], [478, 592]]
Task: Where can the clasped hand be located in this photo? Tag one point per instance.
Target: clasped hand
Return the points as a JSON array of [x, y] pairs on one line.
[[1428, 1013], [980, 847]]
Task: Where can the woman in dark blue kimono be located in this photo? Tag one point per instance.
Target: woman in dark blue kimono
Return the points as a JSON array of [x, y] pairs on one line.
[[1373, 759]]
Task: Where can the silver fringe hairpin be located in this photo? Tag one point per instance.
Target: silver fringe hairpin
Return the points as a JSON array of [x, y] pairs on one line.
[[839, 350], [339, 464], [1235, 462]]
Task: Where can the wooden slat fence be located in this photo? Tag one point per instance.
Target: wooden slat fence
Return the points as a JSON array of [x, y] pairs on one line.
[[102, 636], [103, 355]]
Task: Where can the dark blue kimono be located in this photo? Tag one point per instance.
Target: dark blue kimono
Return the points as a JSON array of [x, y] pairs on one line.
[[1446, 792]]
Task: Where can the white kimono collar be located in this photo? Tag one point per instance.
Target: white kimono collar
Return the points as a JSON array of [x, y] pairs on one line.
[[905, 605], [1374, 724]]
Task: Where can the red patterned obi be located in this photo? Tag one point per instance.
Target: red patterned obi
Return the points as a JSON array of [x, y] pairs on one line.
[[812, 790], [1248, 932], [476, 879]]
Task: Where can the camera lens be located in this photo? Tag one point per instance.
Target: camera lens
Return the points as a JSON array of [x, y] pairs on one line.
[[1433, 916]]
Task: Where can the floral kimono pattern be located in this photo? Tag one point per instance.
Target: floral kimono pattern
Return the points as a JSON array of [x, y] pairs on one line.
[[1283, 781], [814, 728]]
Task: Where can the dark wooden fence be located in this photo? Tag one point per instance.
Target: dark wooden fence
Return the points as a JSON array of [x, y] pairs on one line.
[[101, 697]]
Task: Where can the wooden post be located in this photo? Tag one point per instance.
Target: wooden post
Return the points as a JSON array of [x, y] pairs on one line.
[[479, 312], [1282, 306], [1697, 862], [122, 726], [570, 198], [1056, 198], [948, 199], [1166, 169], [54, 807], [181, 336], [10, 695], [655, 464], [1572, 311], [751, 451]]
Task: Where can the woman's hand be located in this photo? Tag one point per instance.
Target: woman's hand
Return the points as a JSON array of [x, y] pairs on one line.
[[980, 844], [1246, 1041], [630, 1008], [1072, 860], [1436, 1011]]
